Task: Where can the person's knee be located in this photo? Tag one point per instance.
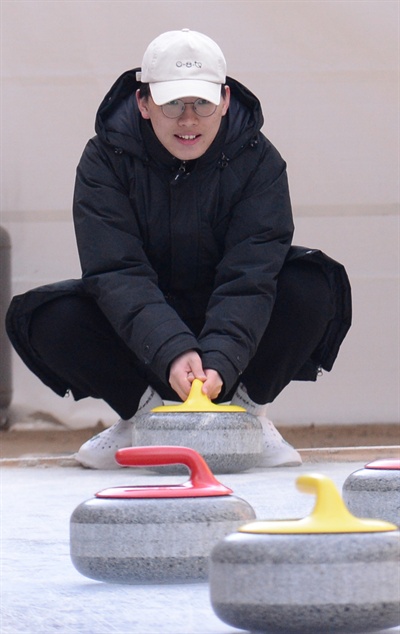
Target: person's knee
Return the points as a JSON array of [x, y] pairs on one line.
[[55, 325], [305, 290]]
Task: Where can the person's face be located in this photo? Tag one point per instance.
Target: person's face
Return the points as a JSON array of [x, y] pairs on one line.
[[189, 136]]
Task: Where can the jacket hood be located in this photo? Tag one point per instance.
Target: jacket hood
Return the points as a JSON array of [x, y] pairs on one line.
[[118, 120]]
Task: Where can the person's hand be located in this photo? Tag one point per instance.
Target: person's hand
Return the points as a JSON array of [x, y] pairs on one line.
[[212, 386], [184, 369]]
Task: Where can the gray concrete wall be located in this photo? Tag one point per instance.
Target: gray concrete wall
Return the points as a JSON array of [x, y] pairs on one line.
[[327, 76]]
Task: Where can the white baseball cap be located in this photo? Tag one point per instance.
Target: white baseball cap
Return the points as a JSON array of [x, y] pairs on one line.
[[181, 64]]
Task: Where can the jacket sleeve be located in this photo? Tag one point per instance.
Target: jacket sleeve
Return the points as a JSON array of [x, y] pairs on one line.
[[115, 269], [257, 242]]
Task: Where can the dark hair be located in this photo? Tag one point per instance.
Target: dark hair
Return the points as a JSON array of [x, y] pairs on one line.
[[144, 91]]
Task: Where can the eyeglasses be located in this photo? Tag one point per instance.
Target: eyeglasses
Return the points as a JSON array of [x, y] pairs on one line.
[[202, 107]]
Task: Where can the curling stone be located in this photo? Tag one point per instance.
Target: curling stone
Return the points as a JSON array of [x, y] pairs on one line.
[[227, 436], [375, 491], [156, 533], [328, 572]]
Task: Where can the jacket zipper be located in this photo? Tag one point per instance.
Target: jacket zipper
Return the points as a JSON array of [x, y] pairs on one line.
[[181, 171]]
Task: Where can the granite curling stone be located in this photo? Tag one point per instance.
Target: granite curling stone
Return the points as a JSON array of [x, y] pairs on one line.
[[328, 572], [227, 436], [375, 491], [156, 533]]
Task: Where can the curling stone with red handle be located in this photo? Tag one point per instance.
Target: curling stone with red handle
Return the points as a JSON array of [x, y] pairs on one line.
[[329, 572], [227, 436], [375, 491], [155, 533]]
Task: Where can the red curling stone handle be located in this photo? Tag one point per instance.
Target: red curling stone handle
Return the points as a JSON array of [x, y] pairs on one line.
[[384, 464], [201, 476]]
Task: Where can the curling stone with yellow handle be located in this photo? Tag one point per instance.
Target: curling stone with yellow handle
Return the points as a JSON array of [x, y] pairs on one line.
[[329, 572], [155, 533], [227, 436]]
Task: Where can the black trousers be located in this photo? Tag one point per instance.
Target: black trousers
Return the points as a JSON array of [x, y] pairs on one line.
[[74, 339]]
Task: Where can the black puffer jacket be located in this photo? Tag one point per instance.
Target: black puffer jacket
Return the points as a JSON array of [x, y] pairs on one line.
[[183, 256]]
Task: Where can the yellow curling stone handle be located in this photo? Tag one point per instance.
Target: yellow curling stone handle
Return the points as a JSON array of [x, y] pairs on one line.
[[198, 402], [330, 514]]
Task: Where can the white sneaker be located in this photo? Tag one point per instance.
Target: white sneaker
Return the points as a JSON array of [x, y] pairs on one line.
[[277, 452], [99, 452]]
